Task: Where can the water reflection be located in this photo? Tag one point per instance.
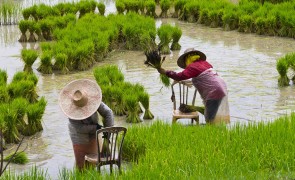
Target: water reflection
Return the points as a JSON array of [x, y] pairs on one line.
[[247, 63]]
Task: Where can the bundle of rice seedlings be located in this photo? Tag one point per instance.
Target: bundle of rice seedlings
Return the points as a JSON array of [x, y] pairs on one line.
[[154, 60], [144, 98], [131, 103], [25, 89], [150, 6], [32, 29], [3, 77], [39, 32], [165, 6], [101, 8], [20, 104], [46, 65], [61, 8], [246, 24], [17, 158], [9, 115], [23, 26], [29, 56], [26, 13], [165, 35], [176, 35], [120, 6], [282, 68], [84, 7], [46, 26], [230, 19], [46, 46], [61, 63], [34, 113], [178, 6], [118, 93], [4, 96]]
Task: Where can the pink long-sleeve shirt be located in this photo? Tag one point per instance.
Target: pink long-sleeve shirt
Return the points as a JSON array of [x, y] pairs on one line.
[[208, 83]]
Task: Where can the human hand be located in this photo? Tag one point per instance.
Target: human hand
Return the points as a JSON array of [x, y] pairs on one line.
[[161, 71]]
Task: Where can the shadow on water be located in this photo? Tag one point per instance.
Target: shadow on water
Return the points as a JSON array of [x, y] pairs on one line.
[[247, 62]]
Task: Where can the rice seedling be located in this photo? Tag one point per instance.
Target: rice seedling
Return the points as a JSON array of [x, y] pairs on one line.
[[165, 80], [204, 17], [230, 19], [46, 27], [120, 6], [17, 158], [9, 115], [178, 6], [144, 98], [33, 173], [46, 64], [165, 35], [29, 56], [24, 88], [132, 106], [4, 96], [34, 112], [84, 7], [46, 46], [23, 26], [150, 6], [9, 12], [117, 93], [282, 68], [32, 29], [101, 8], [20, 104], [176, 35], [246, 24], [61, 63], [193, 12], [26, 13], [3, 77], [165, 6]]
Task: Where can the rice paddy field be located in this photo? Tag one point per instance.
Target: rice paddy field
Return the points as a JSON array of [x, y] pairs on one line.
[[244, 149]]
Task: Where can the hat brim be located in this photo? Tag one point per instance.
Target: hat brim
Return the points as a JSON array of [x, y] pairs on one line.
[[181, 59], [94, 98]]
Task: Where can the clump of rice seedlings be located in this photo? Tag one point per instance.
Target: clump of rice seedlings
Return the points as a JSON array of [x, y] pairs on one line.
[[29, 56], [101, 8], [3, 77], [17, 158], [4, 96], [246, 24], [25, 89], [46, 65], [23, 26], [34, 112], [46, 46], [84, 7], [26, 13], [9, 115], [178, 6], [230, 19], [282, 68], [203, 17], [165, 6], [260, 25], [85, 55], [165, 35], [176, 35], [120, 6], [100, 48], [131, 103], [215, 18], [32, 29], [20, 104], [144, 98], [150, 6], [117, 94], [61, 63], [46, 27], [39, 32], [193, 12], [165, 80]]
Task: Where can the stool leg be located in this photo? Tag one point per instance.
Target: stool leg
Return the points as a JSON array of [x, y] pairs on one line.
[[174, 120]]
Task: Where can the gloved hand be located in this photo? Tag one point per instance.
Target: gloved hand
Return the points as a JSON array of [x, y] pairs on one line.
[[161, 71]]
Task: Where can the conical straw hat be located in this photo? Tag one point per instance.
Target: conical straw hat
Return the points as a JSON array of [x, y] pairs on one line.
[[80, 99], [181, 59]]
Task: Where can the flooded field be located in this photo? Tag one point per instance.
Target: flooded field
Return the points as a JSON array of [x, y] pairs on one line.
[[247, 63]]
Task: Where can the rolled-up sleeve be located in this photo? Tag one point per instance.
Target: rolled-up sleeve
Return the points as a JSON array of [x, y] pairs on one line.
[[107, 114]]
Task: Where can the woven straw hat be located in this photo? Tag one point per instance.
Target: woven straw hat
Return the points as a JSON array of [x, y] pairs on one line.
[[80, 99], [181, 59]]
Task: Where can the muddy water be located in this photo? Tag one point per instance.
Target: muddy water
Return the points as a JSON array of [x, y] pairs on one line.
[[247, 63]]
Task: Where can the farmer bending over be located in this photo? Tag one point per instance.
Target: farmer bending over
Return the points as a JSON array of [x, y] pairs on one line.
[[211, 87]]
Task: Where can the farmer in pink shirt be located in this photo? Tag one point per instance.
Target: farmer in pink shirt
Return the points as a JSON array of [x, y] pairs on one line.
[[211, 87]]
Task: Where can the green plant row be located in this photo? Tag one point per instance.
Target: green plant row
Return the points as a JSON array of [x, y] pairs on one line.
[[21, 109], [247, 16], [89, 39], [164, 151], [121, 96], [285, 68]]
